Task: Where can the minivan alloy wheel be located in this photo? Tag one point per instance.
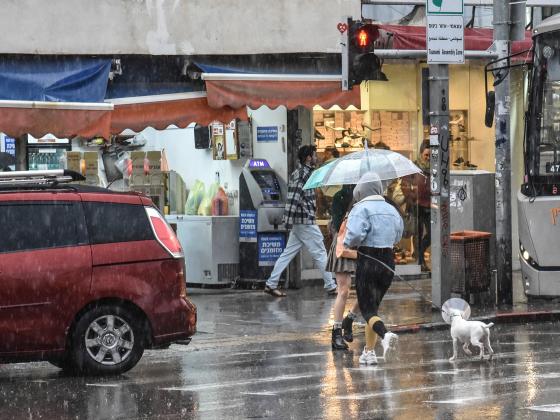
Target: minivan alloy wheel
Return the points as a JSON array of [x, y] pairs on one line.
[[109, 340]]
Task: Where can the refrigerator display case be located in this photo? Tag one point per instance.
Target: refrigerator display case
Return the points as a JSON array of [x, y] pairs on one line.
[[211, 247], [47, 152]]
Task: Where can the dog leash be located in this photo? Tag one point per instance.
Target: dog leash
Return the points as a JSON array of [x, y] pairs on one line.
[[406, 281]]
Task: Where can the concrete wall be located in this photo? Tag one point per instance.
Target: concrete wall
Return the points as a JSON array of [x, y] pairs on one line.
[[186, 27], [274, 152]]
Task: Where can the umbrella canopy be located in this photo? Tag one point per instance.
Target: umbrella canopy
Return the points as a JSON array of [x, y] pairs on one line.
[[350, 168]]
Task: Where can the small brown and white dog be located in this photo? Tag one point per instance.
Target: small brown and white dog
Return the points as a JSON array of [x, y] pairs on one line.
[[469, 332]]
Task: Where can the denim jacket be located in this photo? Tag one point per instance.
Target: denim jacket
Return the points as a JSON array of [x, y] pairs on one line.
[[373, 223]]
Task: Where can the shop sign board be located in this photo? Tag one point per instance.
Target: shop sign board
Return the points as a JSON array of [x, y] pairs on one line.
[[445, 32], [445, 39], [248, 226], [267, 134], [8, 145], [270, 246]]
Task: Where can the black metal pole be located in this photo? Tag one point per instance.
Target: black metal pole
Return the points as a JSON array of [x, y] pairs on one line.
[[439, 182], [503, 158]]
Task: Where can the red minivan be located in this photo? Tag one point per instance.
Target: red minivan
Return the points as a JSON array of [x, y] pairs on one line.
[[89, 278]]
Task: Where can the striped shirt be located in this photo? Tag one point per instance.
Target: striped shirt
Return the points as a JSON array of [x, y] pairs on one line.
[[300, 204]]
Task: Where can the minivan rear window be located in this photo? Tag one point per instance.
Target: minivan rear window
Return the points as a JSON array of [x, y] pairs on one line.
[[115, 222], [38, 225]]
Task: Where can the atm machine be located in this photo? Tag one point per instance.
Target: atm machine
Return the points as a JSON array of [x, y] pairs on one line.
[[262, 236]]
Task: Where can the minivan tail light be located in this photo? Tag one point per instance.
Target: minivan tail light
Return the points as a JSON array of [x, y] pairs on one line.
[[163, 232]]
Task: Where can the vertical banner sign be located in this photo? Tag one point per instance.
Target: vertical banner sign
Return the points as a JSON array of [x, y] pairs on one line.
[[270, 246], [445, 32], [247, 226], [8, 145], [232, 142], [218, 140]]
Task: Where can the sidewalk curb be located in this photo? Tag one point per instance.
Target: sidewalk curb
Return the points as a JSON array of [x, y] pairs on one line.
[[498, 318]]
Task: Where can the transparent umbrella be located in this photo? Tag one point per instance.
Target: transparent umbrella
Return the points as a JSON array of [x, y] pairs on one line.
[[350, 168]]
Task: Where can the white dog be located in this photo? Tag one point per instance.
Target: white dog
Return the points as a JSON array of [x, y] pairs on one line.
[[474, 332]]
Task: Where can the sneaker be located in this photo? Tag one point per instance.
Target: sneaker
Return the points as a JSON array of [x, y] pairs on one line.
[[368, 357], [332, 292], [389, 344], [274, 292]]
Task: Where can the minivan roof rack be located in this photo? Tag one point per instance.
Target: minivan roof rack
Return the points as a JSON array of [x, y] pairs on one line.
[[48, 178]]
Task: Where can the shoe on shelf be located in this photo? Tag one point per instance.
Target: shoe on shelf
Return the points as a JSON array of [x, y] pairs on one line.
[[332, 292], [424, 268], [274, 292], [337, 341], [471, 165], [389, 344], [318, 135], [459, 161], [347, 328], [368, 357]]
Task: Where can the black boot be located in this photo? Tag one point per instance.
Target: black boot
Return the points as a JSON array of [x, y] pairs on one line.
[[337, 341], [347, 327]]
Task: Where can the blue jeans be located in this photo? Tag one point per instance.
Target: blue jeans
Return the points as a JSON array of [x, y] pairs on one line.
[[312, 238]]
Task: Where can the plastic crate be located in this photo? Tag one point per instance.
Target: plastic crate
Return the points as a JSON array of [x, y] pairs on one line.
[[470, 261]]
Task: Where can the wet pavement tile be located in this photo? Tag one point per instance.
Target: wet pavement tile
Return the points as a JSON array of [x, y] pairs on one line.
[[279, 364]]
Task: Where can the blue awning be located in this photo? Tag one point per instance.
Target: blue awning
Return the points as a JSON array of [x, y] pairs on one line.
[[322, 64], [53, 79]]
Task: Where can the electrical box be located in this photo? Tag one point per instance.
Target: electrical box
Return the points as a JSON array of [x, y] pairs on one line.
[[201, 137], [245, 138]]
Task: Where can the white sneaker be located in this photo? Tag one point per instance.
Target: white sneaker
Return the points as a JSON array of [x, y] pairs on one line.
[[389, 344], [368, 357]]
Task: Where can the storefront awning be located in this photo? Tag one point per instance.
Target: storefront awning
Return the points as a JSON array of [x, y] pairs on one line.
[[161, 111], [63, 119], [403, 37], [53, 78], [237, 90]]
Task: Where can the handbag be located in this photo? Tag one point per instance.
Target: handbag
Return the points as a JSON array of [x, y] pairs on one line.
[[341, 250]]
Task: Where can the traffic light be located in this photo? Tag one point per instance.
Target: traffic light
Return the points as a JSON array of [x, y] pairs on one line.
[[362, 63]]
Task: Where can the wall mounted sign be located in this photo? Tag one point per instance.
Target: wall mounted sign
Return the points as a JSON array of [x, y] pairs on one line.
[[267, 134]]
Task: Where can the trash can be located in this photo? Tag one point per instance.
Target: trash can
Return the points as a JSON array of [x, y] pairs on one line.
[[470, 261]]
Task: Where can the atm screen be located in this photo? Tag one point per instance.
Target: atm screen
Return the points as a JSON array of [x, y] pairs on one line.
[[269, 184]]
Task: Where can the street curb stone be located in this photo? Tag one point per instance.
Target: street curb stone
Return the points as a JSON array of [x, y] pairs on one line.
[[498, 318]]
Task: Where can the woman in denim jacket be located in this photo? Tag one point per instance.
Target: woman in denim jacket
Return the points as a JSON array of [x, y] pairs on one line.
[[373, 227]]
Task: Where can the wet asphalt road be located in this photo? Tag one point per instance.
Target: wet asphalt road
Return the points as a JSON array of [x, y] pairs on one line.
[[256, 357]]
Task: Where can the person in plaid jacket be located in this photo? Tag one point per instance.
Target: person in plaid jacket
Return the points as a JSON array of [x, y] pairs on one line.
[[299, 218]]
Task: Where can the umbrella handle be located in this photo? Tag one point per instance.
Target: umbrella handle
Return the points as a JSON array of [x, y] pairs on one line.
[[366, 148]]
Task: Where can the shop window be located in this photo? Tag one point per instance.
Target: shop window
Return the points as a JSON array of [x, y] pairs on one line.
[[338, 133], [459, 140]]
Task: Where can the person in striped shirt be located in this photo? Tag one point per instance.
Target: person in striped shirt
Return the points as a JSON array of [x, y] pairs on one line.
[[299, 218]]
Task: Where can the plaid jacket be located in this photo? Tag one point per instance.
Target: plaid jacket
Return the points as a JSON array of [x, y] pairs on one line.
[[300, 204]]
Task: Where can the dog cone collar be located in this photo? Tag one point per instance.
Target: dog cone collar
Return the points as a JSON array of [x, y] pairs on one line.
[[458, 304]]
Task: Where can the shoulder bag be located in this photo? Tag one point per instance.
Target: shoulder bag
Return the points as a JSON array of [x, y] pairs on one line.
[[341, 250]]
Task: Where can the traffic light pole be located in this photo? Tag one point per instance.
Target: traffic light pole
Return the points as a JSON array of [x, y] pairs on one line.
[[345, 44], [439, 182]]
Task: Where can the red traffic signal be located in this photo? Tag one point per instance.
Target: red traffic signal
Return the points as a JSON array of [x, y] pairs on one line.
[[363, 36], [361, 63]]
